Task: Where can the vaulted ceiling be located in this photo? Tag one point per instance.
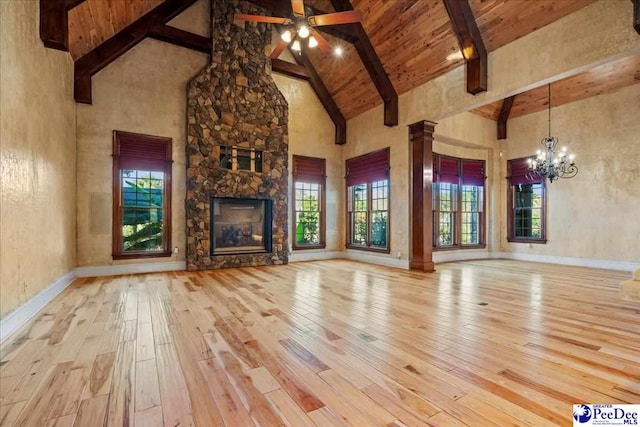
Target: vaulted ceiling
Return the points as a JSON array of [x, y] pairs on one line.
[[606, 78], [414, 41]]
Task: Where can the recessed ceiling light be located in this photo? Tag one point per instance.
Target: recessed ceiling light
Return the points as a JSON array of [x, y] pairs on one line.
[[337, 51]]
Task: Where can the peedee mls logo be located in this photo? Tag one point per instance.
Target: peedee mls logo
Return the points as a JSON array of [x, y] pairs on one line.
[[606, 415]]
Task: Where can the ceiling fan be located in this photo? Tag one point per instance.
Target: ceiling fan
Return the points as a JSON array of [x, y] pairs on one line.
[[300, 27]]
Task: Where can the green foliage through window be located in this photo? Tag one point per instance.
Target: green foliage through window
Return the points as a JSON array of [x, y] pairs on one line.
[[307, 200], [369, 214], [142, 210]]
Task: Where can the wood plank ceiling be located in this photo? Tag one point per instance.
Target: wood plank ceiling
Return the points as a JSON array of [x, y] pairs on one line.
[[414, 39], [606, 78], [416, 43], [94, 21]]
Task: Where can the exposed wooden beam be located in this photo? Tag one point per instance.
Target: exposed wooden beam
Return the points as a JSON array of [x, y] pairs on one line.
[[113, 48], [505, 110], [82, 89], [373, 65], [54, 24], [70, 4], [471, 44], [324, 96], [289, 69], [181, 38], [54, 31], [636, 15]]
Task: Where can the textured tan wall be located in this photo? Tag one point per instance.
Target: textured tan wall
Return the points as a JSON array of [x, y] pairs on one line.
[[595, 214], [555, 51], [144, 91], [463, 135], [312, 133], [37, 158], [468, 135]]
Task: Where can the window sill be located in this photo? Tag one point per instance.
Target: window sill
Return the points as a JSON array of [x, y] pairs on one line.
[[367, 249], [307, 247], [538, 241], [136, 255]]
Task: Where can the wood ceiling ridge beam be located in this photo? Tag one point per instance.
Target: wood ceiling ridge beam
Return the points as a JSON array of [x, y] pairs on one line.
[[121, 42], [636, 15], [374, 66], [181, 38], [505, 111], [324, 96], [471, 44]]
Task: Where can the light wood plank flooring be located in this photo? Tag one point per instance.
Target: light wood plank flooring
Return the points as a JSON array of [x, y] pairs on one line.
[[478, 343]]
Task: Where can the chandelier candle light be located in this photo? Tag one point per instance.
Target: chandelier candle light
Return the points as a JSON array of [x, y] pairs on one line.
[[550, 163]]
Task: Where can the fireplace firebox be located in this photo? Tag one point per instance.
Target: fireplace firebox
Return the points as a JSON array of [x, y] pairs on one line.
[[240, 226]]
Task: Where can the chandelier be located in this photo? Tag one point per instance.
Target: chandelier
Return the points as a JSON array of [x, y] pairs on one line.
[[551, 163]]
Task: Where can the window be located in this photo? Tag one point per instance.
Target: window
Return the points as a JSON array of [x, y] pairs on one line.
[[240, 159], [458, 203], [368, 201], [141, 196], [309, 204], [526, 204]]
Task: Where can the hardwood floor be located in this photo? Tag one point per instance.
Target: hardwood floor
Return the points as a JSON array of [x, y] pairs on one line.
[[478, 343]]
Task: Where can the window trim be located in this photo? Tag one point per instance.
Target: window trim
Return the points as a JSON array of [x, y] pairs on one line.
[[457, 214], [323, 241], [511, 238], [368, 247], [373, 162], [116, 246]]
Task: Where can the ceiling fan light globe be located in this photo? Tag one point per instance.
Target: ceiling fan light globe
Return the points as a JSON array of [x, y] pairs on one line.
[[296, 46], [313, 42], [286, 36], [303, 31]]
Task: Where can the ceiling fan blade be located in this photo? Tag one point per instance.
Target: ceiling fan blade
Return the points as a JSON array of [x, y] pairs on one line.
[[297, 6], [260, 18], [278, 50], [337, 18], [323, 44]]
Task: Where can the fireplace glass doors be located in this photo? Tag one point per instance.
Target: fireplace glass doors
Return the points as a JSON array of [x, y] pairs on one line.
[[240, 226]]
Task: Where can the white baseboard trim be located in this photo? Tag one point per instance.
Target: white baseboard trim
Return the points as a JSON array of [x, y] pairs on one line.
[[452, 256], [21, 315], [116, 269], [373, 258], [461, 255], [578, 262], [314, 255]]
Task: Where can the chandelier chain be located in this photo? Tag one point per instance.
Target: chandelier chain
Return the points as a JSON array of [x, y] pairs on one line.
[[549, 121]]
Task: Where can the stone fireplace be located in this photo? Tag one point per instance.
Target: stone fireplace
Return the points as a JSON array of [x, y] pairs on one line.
[[237, 150]]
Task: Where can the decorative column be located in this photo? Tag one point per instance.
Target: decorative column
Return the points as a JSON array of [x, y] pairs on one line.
[[421, 141]]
